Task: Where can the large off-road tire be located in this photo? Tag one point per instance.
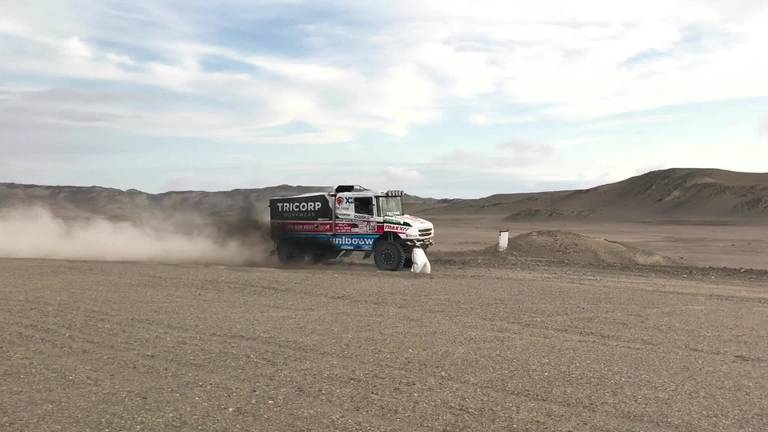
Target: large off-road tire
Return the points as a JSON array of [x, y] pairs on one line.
[[388, 255], [319, 257], [290, 253]]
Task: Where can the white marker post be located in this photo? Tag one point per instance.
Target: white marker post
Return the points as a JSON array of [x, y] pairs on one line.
[[420, 263], [503, 240]]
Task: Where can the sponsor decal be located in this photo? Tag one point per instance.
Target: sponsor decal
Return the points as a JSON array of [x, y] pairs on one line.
[[356, 227], [303, 226], [344, 207], [342, 201], [308, 208], [354, 242], [299, 206], [345, 227], [362, 227], [401, 229]]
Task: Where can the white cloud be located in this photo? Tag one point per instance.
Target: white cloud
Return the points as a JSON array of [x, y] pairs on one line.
[[522, 148], [119, 59], [418, 59], [494, 118], [340, 103], [508, 156], [402, 175], [306, 72], [77, 48], [571, 142], [12, 27], [588, 59]]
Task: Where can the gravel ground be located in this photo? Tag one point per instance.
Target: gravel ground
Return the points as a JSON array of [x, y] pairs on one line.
[[131, 346]]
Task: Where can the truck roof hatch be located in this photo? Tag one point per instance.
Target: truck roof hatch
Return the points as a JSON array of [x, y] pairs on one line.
[[349, 188]]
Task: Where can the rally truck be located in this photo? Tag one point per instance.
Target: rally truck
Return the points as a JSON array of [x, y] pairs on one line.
[[320, 226]]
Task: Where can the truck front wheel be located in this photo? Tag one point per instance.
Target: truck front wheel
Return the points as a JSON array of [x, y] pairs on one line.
[[389, 255]]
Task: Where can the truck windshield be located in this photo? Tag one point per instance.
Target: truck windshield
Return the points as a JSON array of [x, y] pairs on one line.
[[390, 206]]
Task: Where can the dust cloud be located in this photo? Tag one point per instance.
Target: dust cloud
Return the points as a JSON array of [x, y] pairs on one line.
[[37, 233]]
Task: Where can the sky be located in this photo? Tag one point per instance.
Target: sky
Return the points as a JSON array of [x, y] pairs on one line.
[[440, 98]]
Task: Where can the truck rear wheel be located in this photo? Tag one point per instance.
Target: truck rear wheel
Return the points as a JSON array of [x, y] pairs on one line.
[[389, 255], [290, 253], [319, 257]]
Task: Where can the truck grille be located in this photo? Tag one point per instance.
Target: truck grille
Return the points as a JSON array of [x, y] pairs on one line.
[[425, 232]]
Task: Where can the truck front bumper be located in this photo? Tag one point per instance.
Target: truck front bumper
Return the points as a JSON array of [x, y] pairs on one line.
[[420, 243]]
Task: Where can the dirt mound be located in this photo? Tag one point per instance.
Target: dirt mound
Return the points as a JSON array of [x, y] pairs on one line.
[[568, 246]]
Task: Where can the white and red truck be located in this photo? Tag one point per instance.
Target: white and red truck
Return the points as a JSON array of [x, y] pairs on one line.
[[320, 226]]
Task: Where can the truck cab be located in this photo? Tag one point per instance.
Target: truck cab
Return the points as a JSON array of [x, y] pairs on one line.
[[357, 219]]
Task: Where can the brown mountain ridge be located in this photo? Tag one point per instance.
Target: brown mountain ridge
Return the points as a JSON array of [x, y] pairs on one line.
[[671, 194]]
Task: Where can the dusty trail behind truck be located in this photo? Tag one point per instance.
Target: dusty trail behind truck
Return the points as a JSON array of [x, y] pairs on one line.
[[320, 226]]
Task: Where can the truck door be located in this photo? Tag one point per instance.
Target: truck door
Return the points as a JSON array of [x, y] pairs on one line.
[[355, 214], [365, 214]]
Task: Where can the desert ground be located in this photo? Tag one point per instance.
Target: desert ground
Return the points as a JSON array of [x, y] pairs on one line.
[[725, 243], [478, 345]]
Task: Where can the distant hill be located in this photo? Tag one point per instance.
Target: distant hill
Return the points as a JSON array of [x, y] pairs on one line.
[[672, 194], [116, 204], [658, 195]]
